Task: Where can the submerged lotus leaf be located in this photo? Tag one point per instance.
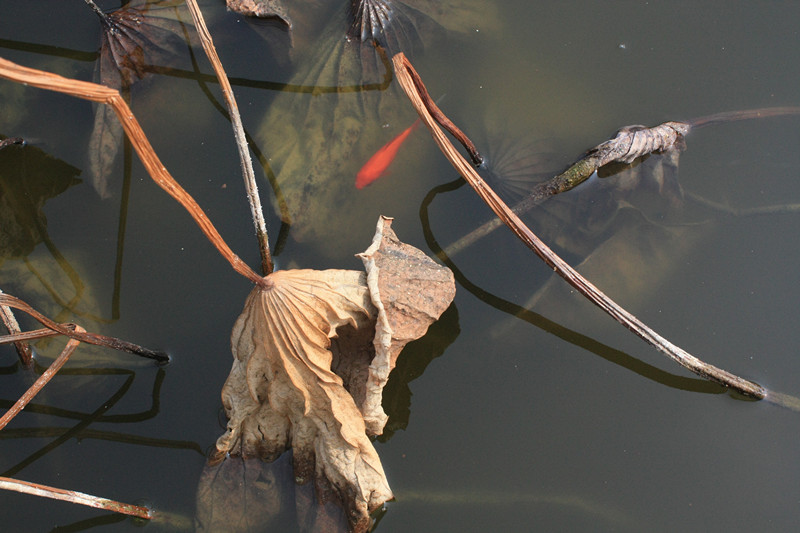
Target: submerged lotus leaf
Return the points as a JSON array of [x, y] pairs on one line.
[[241, 495], [136, 38], [461, 16], [28, 178], [632, 233], [309, 360], [319, 138], [410, 291]]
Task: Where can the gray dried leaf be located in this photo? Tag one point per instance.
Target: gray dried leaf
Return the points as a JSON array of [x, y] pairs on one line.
[[637, 141], [261, 9], [410, 292]]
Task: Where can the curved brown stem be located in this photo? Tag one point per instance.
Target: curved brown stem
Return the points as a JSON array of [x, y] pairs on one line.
[[154, 166], [410, 86], [46, 376], [79, 334], [440, 117], [241, 142]]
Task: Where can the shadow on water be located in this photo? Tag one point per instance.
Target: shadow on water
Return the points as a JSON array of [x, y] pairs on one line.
[[535, 319], [417, 355], [82, 429]]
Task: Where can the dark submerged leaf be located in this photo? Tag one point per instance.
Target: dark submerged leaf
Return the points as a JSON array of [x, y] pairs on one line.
[[392, 24], [28, 178], [317, 139], [512, 166], [134, 39]]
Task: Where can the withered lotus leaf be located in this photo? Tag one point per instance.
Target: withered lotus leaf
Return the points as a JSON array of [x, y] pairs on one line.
[[261, 9], [410, 291], [282, 391], [135, 39]]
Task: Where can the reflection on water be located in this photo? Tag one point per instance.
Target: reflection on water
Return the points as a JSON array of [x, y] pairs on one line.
[[571, 406]]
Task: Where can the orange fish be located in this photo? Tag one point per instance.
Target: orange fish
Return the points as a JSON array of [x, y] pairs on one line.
[[380, 160]]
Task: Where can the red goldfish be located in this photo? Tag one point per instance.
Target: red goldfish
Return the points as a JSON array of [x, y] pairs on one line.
[[380, 160]]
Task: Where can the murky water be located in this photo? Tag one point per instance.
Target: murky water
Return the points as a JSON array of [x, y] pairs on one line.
[[551, 417]]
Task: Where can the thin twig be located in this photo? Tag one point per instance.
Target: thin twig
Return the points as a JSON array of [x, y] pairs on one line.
[[72, 496], [241, 140], [23, 348], [99, 12], [154, 166], [747, 114], [12, 140], [46, 376], [77, 333], [409, 80]]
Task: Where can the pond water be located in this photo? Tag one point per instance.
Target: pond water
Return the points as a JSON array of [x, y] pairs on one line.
[[512, 413]]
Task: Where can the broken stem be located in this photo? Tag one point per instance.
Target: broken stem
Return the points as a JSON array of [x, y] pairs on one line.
[[241, 141], [23, 349], [154, 166], [576, 174], [77, 333], [46, 376], [100, 13], [748, 114], [409, 80], [601, 155], [36, 489], [12, 140]]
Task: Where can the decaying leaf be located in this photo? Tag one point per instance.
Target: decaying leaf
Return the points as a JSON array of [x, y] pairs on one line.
[[398, 24], [135, 38], [261, 9], [632, 142], [30, 262], [392, 24], [410, 291], [316, 140], [104, 143], [239, 495], [282, 392]]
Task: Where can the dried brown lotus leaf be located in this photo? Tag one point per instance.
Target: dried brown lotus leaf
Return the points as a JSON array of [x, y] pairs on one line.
[[410, 292], [261, 9], [310, 364], [282, 393]]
